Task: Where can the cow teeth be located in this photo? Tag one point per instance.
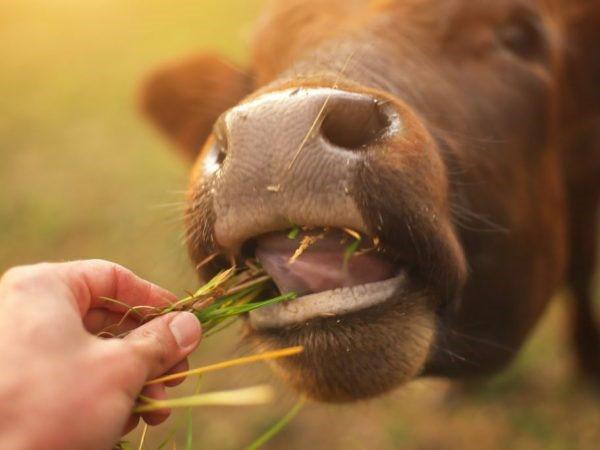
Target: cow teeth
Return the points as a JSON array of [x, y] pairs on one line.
[[335, 302]]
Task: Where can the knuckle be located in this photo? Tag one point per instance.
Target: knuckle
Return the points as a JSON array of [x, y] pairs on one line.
[[119, 271], [124, 278], [23, 277], [99, 262], [102, 265], [11, 276]]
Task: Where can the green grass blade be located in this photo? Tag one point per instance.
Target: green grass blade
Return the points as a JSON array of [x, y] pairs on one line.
[[236, 310], [189, 434], [217, 329], [168, 439], [233, 299], [277, 426], [293, 234], [350, 251]]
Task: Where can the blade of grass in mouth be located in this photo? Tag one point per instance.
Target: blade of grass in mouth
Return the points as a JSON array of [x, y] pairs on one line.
[[212, 318], [350, 251], [294, 232]]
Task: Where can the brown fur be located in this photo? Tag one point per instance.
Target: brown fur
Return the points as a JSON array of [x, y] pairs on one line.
[[502, 170]]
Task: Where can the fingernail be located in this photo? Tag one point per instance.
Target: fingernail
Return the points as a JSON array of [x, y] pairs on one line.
[[186, 329]]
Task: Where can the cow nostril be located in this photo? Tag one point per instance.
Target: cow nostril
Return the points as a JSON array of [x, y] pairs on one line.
[[217, 152], [354, 124], [221, 155]]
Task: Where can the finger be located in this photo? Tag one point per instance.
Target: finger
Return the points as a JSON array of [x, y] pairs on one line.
[[131, 423], [156, 392], [182, 366], [163, 342], [91, 282], [100, 321]]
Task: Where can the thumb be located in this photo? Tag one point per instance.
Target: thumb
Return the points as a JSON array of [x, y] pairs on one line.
[[163, 342]]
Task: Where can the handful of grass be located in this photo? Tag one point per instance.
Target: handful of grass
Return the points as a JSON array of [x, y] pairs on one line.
[[217, 304], [224, 298]]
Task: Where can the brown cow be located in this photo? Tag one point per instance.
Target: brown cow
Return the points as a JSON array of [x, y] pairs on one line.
[[462, 137]]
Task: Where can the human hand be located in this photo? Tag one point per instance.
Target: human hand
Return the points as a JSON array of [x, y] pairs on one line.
[[61, 387]]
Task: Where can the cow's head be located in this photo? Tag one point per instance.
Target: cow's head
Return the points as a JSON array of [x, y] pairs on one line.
[[425, 126]]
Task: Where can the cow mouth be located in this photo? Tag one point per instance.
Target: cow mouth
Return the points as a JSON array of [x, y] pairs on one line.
[[333, 273]]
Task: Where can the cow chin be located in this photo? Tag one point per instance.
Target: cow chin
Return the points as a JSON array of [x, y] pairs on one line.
[[358, 355]]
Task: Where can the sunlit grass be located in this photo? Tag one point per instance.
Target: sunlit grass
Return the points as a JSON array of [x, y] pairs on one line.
[[250, 396]]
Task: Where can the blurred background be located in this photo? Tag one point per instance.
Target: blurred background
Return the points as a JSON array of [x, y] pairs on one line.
[[82, 176]]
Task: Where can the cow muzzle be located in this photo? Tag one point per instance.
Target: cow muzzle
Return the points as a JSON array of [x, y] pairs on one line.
[[290, 157], [337, 163]]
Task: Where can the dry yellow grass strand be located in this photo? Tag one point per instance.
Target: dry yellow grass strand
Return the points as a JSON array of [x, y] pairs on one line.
[[143, 438], [352, 233], [306, 242], [267, 356]]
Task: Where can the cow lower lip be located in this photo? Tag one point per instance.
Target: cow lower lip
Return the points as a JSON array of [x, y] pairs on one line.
[[336, 302]]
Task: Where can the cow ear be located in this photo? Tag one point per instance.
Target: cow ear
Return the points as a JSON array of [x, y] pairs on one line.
[[184, 99]]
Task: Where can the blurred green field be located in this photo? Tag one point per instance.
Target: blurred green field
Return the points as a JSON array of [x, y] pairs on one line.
[[83, 176]]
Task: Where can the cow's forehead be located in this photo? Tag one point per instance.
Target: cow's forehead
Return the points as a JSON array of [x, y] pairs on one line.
[[442, 5], [306, 24], [408, 7]]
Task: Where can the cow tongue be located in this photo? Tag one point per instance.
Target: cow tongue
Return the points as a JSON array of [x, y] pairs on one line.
[[321, 266]]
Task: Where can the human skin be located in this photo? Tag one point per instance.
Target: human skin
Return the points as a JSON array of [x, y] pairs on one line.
[[61, 386]]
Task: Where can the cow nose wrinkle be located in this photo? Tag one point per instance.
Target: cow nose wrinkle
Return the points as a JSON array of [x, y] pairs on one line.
[[355, 123]]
